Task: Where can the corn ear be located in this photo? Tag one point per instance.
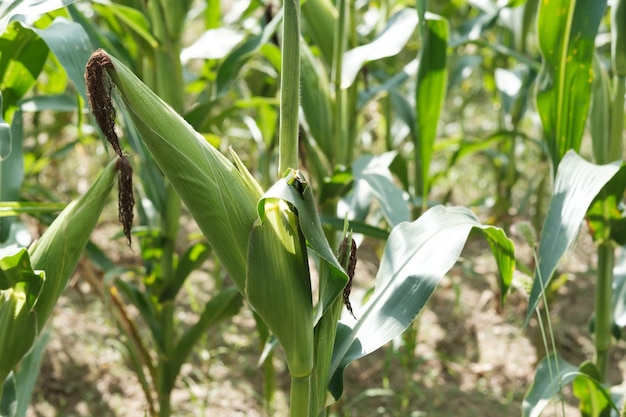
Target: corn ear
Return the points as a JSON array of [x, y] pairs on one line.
[[220, 198], [20, 286], [278, 285], [59, 248]]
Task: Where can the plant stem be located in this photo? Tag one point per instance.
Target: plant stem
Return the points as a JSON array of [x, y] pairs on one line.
[[341, 96], [299, 397], [603, 301], [617, 117], [290, 88]]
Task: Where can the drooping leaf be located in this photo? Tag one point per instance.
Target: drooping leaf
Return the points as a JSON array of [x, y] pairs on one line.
[[594, 398], [22, 57], [553, 373], [20, 288], [59, 248], [577, 184], [566, 33], [388, 43], [69, 42], [416, 257], [13, 9], [372, 179]]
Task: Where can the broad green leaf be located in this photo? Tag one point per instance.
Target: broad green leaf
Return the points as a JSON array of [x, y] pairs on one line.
[[319, 18], [16, 393], [430, 93], [13, 9], [388, 43], [22, 57], [135, 20], [605, 217], [212, 44], [577, 184], [372, 176], [553, 373], [20, 288], [416, 257], [59, 248], [594, 398], [566, 31], [316, 102], [69, 42]]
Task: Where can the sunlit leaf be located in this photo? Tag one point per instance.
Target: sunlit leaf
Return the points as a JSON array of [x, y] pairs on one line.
[[416, 257], [389, 42], [566, 32], [577, 184]]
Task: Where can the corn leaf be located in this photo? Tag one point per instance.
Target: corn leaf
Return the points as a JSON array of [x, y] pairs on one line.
[[594, 398], [13, 9], [577, 184], [416, 257], [319, 22], [553, 373], [316, 101], [59, 248], [372, 178], [566, 31], [22, 57], [69, 42], [20, 288], [27, 374], [430, 92], [389, 42], [600, 114]]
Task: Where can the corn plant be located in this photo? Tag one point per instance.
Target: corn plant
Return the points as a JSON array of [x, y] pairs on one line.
[[261, 239], [581, 190]]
